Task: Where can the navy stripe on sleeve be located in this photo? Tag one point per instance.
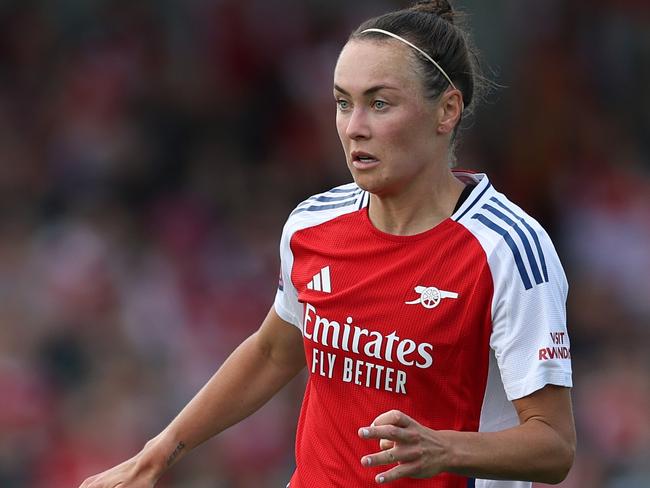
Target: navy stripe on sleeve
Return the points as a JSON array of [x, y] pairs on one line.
[[344, 190], [511, 244], [529, 251], [363, 197], [532, 233], [327, 197], [316, 208], [324, 198], [474, 202]]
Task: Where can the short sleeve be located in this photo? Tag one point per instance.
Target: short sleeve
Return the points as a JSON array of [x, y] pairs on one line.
[[286, 302], [529, 331], [314, 211]]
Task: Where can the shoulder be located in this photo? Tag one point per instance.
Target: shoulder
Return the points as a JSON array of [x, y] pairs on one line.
[[509, 236], [326, 206]]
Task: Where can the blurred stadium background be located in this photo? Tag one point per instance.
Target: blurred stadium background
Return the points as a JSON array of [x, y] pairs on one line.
[[151, 150]]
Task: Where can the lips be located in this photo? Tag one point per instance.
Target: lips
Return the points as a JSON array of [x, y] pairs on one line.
[[363, 160]]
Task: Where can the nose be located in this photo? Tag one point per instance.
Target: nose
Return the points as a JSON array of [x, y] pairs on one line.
[[358, 127]]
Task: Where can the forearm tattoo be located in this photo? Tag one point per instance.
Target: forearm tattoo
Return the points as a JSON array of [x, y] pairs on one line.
[[176, 452]]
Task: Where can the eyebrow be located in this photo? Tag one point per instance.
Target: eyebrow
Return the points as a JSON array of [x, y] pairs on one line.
[[370, 91]]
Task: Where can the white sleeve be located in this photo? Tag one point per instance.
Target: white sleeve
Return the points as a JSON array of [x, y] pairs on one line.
[[529, 333], [311, 212], [286, 302]]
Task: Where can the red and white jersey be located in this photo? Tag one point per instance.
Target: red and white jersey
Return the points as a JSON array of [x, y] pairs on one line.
[[447, 326]]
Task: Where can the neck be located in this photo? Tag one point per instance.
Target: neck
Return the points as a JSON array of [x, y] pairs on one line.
[[422, 206]]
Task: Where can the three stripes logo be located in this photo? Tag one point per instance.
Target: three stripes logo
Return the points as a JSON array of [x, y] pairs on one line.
[[321, 281], [495, 216]]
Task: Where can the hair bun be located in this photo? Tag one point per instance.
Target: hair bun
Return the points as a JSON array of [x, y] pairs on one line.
[[441, 8]]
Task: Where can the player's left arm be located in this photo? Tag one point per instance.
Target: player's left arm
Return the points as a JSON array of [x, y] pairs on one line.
[[541, 448]]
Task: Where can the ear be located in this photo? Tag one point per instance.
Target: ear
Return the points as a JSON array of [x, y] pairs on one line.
[[450, 109]]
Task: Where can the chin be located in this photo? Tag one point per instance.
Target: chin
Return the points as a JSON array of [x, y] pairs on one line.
[[375, 181], [363, 184], [371, 184], [362, 181]]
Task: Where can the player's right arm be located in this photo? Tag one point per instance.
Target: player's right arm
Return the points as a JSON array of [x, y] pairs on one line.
[[253, 373]]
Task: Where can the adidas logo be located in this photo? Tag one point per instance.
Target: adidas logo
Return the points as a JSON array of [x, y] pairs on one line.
[[321, 281]]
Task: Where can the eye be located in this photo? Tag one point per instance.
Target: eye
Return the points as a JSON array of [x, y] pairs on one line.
[[342, 104], [379, 105]]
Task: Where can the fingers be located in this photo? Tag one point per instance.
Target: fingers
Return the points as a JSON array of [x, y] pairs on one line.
[[102, 481], [390, 456], [392, 424], [90, 483], [93, 482], [400, 440], [387, 433], [399, 471], [385, 444], [121, 476], [408, 464], [87, 482], [393, 417]]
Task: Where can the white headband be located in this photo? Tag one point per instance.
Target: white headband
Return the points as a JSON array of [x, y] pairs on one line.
[[395, 36]]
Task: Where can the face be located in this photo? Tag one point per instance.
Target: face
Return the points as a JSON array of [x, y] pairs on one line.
[[388, 128]]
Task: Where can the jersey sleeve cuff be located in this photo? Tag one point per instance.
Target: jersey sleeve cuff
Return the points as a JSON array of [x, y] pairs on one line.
[[530, 385], [284, 313]]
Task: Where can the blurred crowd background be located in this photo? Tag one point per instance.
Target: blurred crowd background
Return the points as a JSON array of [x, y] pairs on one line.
[[150, 152]]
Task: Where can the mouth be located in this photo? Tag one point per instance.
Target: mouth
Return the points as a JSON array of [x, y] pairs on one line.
[[363, 160]]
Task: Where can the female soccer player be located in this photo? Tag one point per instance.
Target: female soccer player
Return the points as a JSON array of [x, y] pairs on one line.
[[427, 307]]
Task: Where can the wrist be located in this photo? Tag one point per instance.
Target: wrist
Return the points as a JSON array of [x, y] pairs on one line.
[[158, 455], [449, 457]]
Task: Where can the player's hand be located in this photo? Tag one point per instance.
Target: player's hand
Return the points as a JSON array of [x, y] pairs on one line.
[[417, 451], [129, 474]]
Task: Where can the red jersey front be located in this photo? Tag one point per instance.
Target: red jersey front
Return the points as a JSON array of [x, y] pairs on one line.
[[388, 322]]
